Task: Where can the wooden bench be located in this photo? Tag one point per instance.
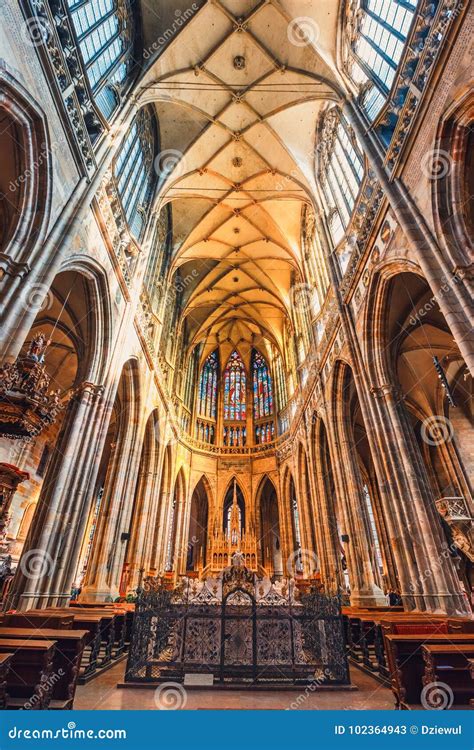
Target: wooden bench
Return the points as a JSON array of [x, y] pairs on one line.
[[406, 663], [371, 628], [28, 680], [39, 618], [119, 625], [5, 661], [67, 659], [60, 620], [353, 630], [449, 664], [97, 642], [107, 620]]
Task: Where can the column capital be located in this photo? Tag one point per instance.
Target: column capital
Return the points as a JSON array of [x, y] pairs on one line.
[[88, 390], [385, 390]]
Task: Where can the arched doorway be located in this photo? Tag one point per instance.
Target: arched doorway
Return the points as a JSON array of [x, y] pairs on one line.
[[69, 338], [269, 535], [173, 554], [198, 527], [414, 364]]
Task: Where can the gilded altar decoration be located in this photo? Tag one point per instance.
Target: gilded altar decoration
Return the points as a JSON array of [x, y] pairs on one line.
[[27, 403]]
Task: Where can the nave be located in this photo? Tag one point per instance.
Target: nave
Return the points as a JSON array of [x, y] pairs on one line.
[[236, 395]]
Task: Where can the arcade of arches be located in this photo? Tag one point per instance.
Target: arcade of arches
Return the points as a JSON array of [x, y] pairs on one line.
[[236, 270]]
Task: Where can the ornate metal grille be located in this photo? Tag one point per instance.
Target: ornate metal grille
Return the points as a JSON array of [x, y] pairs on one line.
[[239, 629]]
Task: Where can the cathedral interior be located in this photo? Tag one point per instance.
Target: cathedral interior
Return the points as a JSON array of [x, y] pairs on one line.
[[237, 348]]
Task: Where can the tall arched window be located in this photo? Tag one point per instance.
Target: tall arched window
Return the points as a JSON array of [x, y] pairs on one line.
[[105, 33], [262, 387], [134, 170], [235, 405], [208, 387], [341, 169], [382, 31]]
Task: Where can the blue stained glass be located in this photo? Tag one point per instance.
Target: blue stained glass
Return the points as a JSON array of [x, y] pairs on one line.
[[262, 387], [235, 389], [208, 387]]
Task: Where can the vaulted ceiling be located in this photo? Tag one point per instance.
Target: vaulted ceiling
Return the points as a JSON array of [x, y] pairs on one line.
[[238, 91]]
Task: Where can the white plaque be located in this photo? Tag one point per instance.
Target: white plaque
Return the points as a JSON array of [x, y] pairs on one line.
[[194, 678]]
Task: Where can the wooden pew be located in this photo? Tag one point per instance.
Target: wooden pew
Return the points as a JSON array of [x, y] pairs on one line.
[[84, 618], [120, 623], [127, 608], [67, 659], [408, 622], [61, 620], [98, 644], [353, 628], [406, 665], [372, 626], [28, 681], [449, 663], [5, 661], [40, 618]]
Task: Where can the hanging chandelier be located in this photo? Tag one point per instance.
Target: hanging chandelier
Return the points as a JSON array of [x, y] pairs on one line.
[[27, 405]]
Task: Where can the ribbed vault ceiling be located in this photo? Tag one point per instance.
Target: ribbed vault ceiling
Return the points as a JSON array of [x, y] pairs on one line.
[[238, 92]]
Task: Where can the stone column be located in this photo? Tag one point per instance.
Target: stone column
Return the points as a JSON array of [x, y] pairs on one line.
[[108, 556], [327, 534], [305, 506], [139, 554], [454, 299], [47, 565], [433, 584], [364, 591]]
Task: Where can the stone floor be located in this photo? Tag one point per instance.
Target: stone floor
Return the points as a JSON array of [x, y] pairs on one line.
[[102, 693]]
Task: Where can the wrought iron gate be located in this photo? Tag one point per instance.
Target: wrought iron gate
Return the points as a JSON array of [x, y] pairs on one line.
[[240, 631]]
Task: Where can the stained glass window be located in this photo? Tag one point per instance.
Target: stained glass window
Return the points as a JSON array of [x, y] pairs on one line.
[[208, 387], [235, 405], [262, 387], [105, 33], [134, 170]]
